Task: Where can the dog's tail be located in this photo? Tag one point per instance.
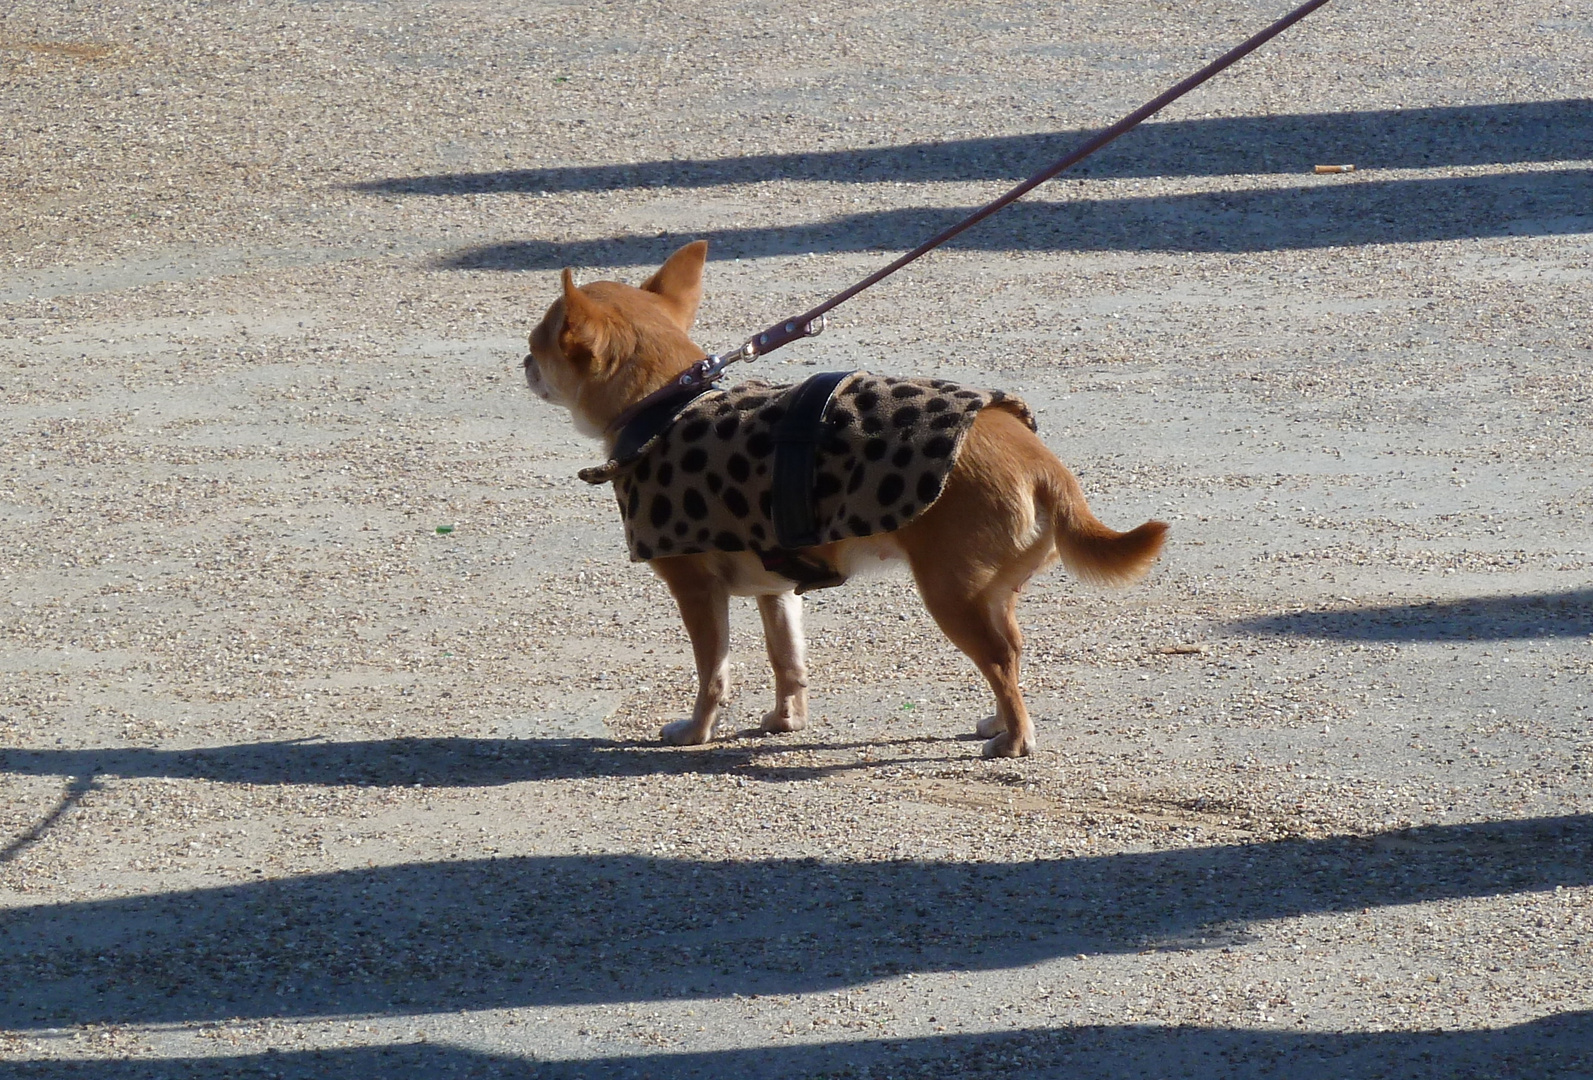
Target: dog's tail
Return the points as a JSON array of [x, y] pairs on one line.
[[1092, 551]]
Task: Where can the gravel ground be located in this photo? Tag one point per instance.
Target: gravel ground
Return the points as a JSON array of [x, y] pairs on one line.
[[295, 784]]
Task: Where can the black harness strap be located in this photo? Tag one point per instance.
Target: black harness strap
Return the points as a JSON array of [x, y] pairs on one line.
[[807, 572], [796, 445], [655, 419], [643, 425]]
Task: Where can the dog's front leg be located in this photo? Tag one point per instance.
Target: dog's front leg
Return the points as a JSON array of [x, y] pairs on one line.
[[704, 604], [782, 635]]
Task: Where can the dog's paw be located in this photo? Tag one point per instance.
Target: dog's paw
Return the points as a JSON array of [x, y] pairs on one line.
[[685, 733], [1004, 745], [780, 721], [990, 727]]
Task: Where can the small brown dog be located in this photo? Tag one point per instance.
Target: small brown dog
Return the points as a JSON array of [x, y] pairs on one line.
[[1005, 509]]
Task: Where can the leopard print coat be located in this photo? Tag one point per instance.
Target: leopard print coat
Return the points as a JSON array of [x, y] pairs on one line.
[[883, 455]]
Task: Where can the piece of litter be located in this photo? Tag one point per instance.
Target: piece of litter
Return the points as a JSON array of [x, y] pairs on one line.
[[1335, 168], [444, 530], [1181, 650]]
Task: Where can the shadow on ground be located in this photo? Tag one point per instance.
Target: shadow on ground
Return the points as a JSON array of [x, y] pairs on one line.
[[1536, 131], [1559, 1046], [462, 762], [591, 929], [78, 785], [1335, 213], [1481, 618]]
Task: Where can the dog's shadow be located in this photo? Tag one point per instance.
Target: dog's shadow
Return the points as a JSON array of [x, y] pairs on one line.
[[484, 762]]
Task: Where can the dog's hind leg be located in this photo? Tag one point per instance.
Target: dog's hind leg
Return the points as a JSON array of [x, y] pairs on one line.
[[782, 636], [704, 604], [985, 627], [974, 549]]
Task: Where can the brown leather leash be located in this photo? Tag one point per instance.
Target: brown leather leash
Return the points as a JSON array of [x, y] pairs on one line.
[[696, 379]]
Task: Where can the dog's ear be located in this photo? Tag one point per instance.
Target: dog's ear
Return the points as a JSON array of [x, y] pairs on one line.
[[588, 326], [679, 282]]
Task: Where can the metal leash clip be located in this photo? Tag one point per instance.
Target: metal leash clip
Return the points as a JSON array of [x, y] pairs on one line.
[[710, 368], [745, 351]]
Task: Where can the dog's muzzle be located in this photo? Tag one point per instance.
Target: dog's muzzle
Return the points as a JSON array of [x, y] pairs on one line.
[[533, 378]]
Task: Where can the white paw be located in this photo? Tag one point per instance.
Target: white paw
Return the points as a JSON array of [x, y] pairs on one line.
[[990, 727], [777, 723], [1004, 745], [685, 733]]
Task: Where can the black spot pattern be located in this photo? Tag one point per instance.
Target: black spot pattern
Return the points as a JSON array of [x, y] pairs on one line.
[[661, 510], [696, 506], [883, 455]]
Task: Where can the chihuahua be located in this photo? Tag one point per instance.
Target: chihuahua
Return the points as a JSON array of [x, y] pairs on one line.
[[1002, 508]]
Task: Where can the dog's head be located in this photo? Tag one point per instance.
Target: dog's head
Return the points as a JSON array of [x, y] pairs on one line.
[[602, 346]]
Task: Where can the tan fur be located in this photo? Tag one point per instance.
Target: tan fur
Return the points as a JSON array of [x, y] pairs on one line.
[[1009, 509]]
